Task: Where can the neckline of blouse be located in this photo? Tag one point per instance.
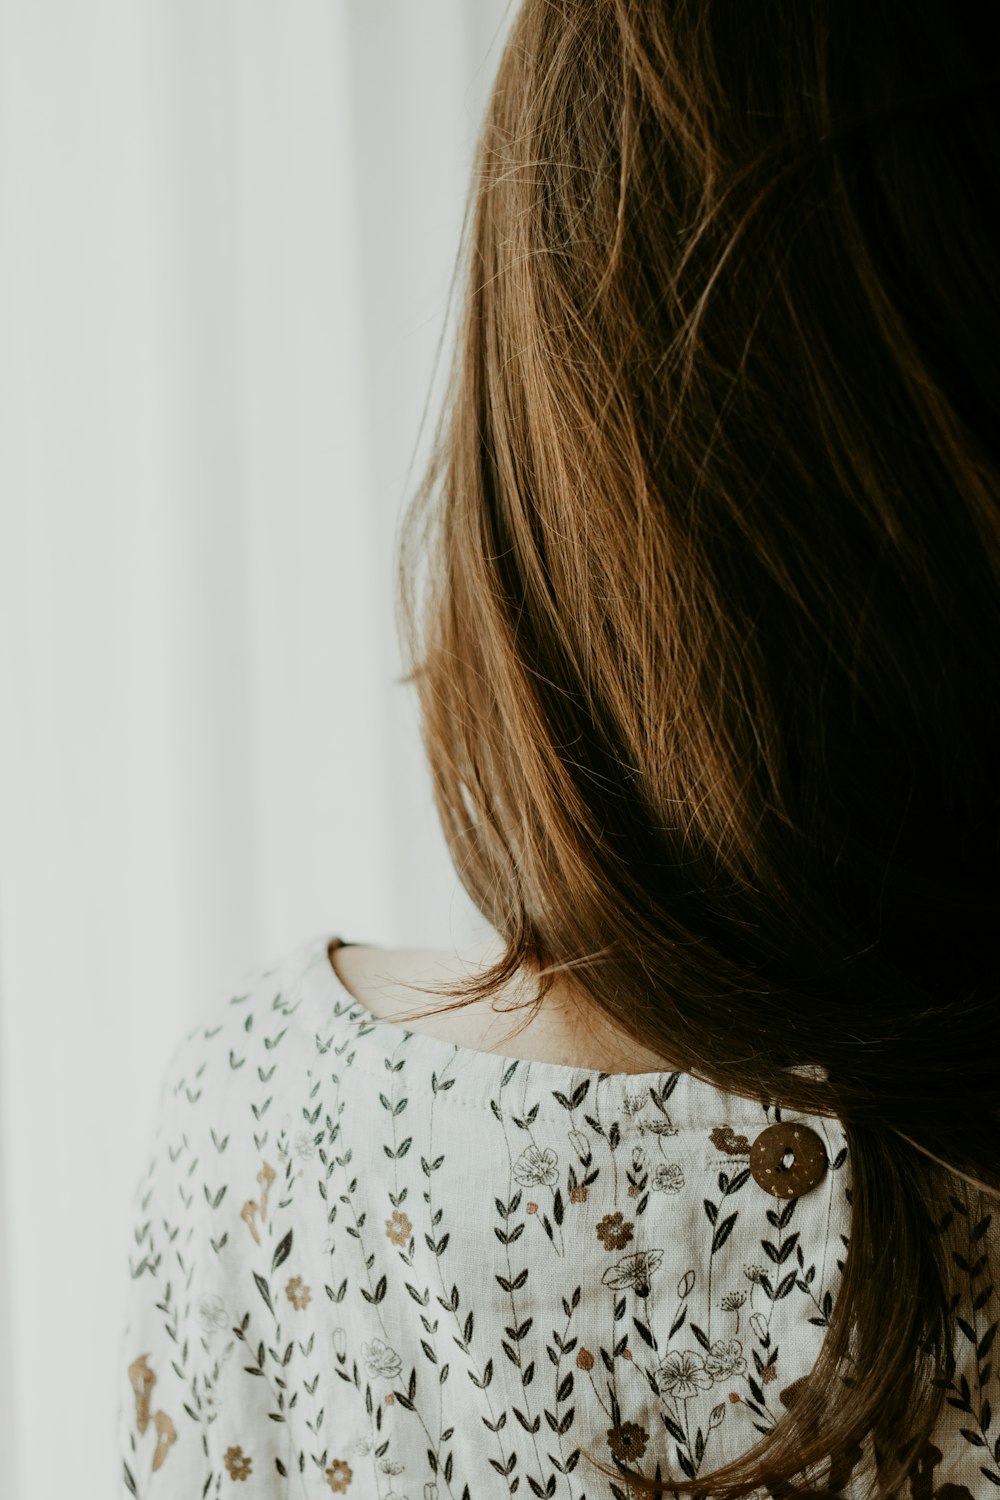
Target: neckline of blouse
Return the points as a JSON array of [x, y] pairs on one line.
[[512, 1085]]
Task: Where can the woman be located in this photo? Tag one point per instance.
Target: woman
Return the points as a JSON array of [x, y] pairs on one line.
[[708, 658]]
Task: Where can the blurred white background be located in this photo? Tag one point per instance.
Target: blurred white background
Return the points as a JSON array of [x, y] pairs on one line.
[[227, 233]]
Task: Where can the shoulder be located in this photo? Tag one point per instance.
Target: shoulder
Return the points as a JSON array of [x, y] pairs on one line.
[[253, 1043], [230, 1104]]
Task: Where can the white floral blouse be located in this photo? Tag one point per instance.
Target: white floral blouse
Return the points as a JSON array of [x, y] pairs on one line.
[[367, 1262]]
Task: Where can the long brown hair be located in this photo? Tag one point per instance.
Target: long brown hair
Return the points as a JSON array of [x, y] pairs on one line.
[[702, 598]]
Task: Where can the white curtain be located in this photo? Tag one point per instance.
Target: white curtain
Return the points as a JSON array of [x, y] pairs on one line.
[[227, 232]]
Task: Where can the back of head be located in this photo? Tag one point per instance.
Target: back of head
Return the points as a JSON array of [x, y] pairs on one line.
[[708, 654]]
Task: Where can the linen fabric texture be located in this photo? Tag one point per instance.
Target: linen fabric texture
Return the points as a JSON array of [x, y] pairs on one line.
[[367, 1262]]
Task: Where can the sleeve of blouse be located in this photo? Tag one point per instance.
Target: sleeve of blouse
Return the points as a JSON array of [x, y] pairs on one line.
[[161, 1417]]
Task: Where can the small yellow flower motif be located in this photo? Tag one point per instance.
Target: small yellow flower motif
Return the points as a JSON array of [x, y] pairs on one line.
[[579, 1193], [615, 1231], [769, 1373], [249, 1212], [339, 1476], [390, 1398], [627, 1440], [297, 1294], [531, 1208], [633, 1191], [398, 1228], [142, 1380], [585, 1360], [724, 1138], [265, 1177], [166, 1437], [237, 1463]]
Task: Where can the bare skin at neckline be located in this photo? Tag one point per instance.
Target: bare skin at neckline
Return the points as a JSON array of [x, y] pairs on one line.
[[379, 978]]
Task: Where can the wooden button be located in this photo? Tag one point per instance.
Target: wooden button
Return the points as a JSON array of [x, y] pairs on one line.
[[787, 1159]]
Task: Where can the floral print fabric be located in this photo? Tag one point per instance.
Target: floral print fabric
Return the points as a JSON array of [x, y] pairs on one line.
[[369, 1263]]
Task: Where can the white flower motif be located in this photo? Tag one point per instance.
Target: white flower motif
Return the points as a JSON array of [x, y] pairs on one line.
[[580, 1144], [381, 1360], [638, 1157], [662, 1126], [339, 1341], [633, 1271], [213, 1314], [633, 1103], [536, 1168], [668, 1177], [725, 1359], [759, 1325], [305, 1146], [683, 1374]]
